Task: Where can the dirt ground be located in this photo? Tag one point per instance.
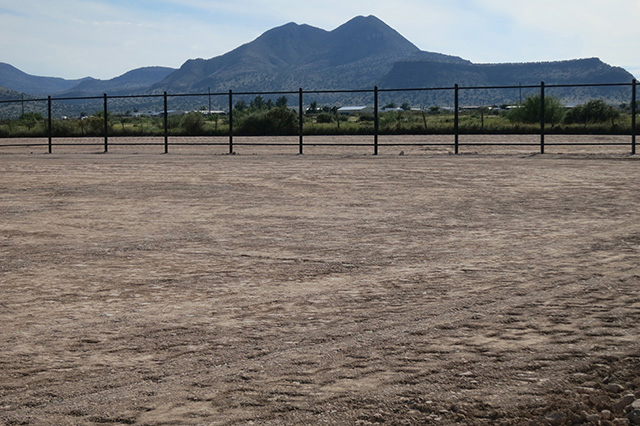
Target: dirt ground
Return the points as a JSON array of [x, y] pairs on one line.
[[351, 145], [198, 289]]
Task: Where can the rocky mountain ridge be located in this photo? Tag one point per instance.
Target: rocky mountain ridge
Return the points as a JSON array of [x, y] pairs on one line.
[[359, 54]]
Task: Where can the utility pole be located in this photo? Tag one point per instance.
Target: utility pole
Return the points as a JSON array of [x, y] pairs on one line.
[[520, 86]]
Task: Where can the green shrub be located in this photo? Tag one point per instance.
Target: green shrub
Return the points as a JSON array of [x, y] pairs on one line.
[[529, 112], [31, 119], [325, 117], [65, 128], [94, 126], [193, 123], [594, 111], [277, 121]]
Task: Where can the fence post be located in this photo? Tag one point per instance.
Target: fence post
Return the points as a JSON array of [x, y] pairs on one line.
[[456, 118], [49, 127], [230, 121], [634, 110], [542, 117], [166, 125], [106, 125], [300, 119], [375, 120]]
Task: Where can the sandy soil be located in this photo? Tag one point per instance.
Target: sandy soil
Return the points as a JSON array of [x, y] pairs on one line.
[[354, 145], [190, 289]]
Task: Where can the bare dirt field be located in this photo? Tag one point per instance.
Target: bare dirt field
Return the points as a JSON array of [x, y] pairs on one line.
[[330, 145], [191, 289]]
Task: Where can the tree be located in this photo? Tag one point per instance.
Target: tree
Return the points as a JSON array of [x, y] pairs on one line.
[[530, 110], [82, 123], [405, 106], [241, 105], [193, 123], [594, 111], [575, 115], [9, 124], [278, 121], [95, 124], [325, 117], [281, 102], [257, 103], [215, 118], [483, 110], [30, 119]]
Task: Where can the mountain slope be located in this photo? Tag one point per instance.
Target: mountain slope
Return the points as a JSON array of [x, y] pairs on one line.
[[419, 74], [280, 48], [10, 95], [431, 74], [356, 54], [14, 79], [359, 54], [137, 80]]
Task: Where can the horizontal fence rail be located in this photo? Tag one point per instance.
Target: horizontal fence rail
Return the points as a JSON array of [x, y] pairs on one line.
[[455, 89]]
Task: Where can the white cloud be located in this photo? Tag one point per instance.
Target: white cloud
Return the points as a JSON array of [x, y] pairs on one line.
[[576, 28]]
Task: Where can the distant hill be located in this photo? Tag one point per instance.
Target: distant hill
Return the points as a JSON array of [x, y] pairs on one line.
[[408, 74], [9, 95], [135, 81], [15, 109], [14, 79]]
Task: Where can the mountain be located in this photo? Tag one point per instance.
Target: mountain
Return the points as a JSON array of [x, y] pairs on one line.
[[365, 52], [355, 55], [9, 95], [15, 109], [359, 54], [14, 79], [135, 81], [406, 74], [409, 74]]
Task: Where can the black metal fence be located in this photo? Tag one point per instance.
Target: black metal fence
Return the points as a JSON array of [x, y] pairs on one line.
[[375, 92]]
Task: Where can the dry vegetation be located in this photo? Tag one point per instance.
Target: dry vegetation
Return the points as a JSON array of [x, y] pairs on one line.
[[198, 289]]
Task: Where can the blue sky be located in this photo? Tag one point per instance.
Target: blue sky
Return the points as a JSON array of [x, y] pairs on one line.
[[104, 39]]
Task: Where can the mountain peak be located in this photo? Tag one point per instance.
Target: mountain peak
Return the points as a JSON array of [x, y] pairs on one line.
[[360, 51], [368, 36], [368, 27], [370, 20]]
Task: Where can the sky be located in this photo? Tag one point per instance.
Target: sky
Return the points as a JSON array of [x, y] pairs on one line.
[[104, 39]]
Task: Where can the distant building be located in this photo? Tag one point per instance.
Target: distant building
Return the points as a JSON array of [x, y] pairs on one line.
[[212, 112], [158, 113], [349, 110]]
